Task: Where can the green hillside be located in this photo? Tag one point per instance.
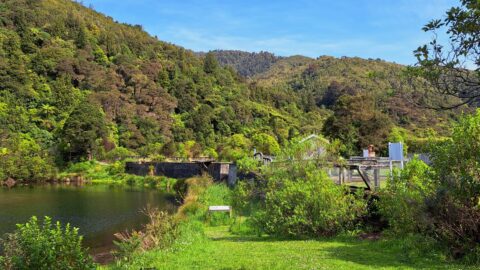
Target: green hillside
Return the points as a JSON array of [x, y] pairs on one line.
[[368, 98], [76, 85], [246, 64]]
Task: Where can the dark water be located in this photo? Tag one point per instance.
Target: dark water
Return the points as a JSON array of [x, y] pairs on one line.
[[98, 210]]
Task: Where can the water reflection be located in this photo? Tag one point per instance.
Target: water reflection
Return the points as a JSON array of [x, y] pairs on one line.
[[98, 210]]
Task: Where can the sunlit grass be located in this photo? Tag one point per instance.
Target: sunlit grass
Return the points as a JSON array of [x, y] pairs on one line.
[[217, 248]]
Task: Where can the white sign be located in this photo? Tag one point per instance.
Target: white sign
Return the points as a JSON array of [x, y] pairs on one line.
[[219, 208], [395, 151]]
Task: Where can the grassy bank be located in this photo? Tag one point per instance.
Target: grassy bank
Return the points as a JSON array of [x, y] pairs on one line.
[[214, 243], [112, 174]]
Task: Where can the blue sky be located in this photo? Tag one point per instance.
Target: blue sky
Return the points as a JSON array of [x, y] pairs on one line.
[[386, 29]]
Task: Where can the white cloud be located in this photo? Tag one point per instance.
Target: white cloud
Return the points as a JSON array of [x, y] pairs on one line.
[[199, 40]]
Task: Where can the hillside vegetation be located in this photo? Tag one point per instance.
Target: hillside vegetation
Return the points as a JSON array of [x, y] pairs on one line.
[[77, 85], [368, 99], [246, 64]]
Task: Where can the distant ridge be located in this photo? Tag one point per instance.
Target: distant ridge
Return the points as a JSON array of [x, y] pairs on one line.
[[247, 64]]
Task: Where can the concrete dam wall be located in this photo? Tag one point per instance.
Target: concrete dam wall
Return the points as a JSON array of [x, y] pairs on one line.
[[218, 170]]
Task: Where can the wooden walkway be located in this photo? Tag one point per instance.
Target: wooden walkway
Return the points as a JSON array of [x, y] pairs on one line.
[[368, 169]]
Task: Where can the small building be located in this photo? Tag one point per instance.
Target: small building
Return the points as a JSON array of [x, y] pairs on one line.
[[316, 148]]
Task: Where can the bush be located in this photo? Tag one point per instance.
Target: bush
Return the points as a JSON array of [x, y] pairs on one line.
[[118, 154], [81, 167], [442, 202], [402, 202], [22, 158], [190, 190], [46, 246], [302, 200], [242, 197], [455, 206], [160, 232]]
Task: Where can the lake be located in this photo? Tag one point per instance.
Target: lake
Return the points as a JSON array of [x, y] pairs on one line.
[[98, 210]]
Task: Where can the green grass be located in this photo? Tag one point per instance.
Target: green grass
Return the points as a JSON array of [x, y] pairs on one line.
[[113, 174], [217, 248], [200, 246]]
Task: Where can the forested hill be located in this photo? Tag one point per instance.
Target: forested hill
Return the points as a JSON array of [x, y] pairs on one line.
[[370, 99], [246, 64], [75, 84]]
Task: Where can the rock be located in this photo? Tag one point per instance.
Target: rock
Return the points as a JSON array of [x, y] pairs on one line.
[[9, 182]]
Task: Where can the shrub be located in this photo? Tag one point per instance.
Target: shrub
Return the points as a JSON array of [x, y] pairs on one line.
[[81, 167], [248, 164], [160, 232], [442, 202], [402, 202], [455, 206], [242, 197], [116, 168], [302, 200], [190, 191], [46, 246], [22, 158]]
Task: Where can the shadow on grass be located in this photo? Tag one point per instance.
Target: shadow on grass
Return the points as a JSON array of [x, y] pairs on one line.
[[256, 238], [383, 253], [369, 253]]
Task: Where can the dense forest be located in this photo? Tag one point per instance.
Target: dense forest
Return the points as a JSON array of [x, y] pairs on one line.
[[76, 85], [246, 64]]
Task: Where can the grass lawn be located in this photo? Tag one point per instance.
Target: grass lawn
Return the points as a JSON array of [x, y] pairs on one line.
[[219, 249]]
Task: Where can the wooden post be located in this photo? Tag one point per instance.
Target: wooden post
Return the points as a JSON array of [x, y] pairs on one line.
[[339, 175], [349, 175], [376, 177]]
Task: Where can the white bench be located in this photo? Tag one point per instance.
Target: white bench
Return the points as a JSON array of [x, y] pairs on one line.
[[220, 208]]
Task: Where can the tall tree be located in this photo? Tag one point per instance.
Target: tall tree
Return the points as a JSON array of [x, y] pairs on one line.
[[210, 64], [453, 69], [83, 130]]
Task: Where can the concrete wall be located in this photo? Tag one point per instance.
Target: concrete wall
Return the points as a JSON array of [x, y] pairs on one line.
[[219, 171]]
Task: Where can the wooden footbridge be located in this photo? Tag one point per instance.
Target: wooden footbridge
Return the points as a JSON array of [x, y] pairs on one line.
[[368, 170]]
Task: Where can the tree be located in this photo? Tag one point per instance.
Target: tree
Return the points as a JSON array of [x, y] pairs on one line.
[[210, 64], [82, 130], [357, 124], [266, 144], [453, 69], [22, 158]]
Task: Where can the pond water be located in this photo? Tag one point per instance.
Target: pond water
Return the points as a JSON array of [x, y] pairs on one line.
[[98, 211]]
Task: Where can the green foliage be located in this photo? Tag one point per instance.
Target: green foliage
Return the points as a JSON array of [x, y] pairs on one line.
[[357, 124], [217, 194], [155, 98], [266, 144], [80, 67], [245, 63], [248, 164], [456, 201], [237, 147], [452, 69], [160, 233], [210, 63], [302, 200], [441, 202], [82, 131], [118, 154], [456, 161], [45, 246], [22, 158], [402, 202]]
